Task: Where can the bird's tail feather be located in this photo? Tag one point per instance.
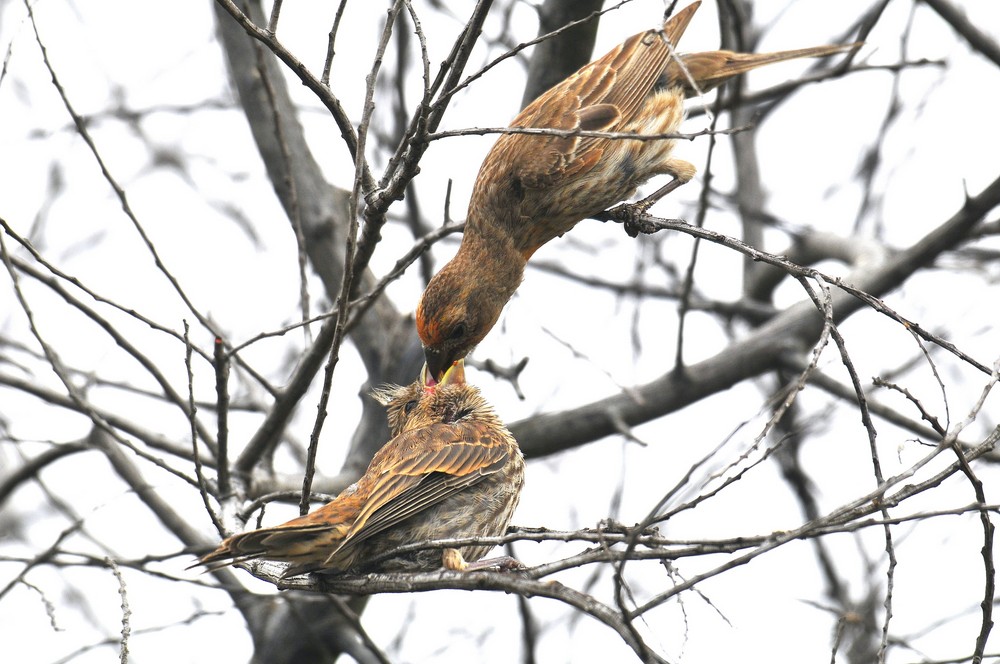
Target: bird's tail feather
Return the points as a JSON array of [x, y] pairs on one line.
[[697, 73]]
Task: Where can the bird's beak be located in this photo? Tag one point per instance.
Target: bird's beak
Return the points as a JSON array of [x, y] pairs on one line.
[[454, 375], [437, 365], [427, 378]]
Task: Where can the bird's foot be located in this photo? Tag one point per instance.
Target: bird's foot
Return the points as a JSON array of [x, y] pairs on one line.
[[631, 217], [499, 564]]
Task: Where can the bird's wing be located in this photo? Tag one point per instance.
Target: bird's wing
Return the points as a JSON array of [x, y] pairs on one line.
[[436, 462], [602, 96]]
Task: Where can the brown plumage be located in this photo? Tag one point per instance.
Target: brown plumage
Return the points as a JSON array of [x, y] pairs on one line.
[[451, 470], [533, 188]]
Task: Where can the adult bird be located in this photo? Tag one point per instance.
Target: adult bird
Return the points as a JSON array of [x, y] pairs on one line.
[[532, 188], [452, 470]]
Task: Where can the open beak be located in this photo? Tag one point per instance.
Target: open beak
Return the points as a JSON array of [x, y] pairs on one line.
[[454, 375], [435, 367]]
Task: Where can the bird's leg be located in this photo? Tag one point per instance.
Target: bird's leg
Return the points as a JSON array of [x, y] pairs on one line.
[[453, 560], [650, 200], [630, 213]]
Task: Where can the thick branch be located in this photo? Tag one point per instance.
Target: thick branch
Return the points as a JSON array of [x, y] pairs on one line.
[[797, 328], [383, 337], [559, 56]]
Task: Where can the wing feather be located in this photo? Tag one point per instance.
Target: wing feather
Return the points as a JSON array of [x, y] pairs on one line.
[[439, 461], [622, 79]]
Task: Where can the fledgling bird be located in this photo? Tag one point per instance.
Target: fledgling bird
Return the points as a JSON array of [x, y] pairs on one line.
[[532, 188], [452, 470]]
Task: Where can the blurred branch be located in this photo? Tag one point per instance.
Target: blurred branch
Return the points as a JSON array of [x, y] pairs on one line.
[[762, 349], [97, 297], [170, 395], [103, 436], [889, 414], [322, 92], [738, 33], [748, 309], [323, 211], [152, 439], [29, 470], [977, 39], [850, 517], [84, 133], [511, 583], [404, 164], [561, 51], [875, 501], [598, 569]]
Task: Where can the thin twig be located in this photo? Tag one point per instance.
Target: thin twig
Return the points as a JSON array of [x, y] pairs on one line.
[[350, 269], [308, 79], [195, 453]]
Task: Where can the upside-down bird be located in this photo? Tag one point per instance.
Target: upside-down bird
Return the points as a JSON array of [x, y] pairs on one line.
[[452, 470], [532, 188]]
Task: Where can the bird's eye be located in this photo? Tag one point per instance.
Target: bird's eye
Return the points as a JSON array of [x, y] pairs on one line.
[[409, 406], [451, 415], [457, 332]]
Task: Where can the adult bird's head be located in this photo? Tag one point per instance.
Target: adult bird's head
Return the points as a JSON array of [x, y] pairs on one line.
[[459, 307]]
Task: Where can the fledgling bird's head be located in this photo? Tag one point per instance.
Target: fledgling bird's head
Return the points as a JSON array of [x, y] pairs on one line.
[[422, 403], [401, 403]]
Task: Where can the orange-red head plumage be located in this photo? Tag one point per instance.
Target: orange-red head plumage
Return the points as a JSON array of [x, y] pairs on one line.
[[463, 301]]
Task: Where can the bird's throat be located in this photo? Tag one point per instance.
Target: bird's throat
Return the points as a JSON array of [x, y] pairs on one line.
[[496, 262]]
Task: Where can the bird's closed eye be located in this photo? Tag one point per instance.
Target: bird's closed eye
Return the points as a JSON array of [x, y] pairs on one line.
[[409, 406], [457, 332], [465, 412]]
